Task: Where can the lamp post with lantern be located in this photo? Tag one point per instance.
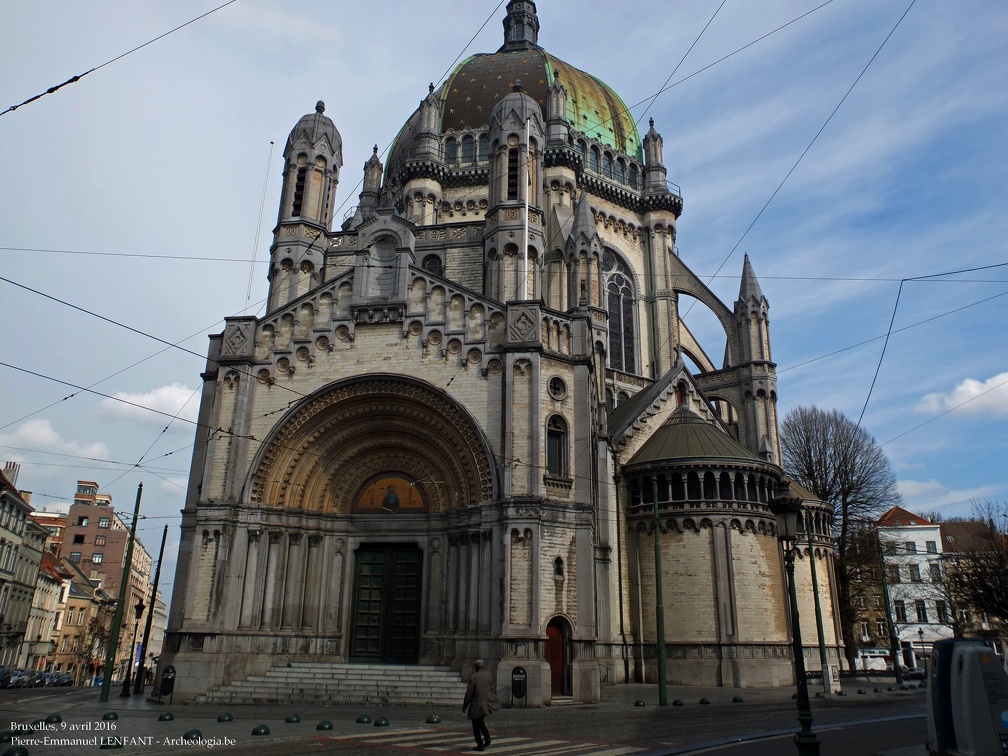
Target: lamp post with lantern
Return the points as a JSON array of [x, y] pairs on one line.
[[920, 634], [786, 511], [129, 666]]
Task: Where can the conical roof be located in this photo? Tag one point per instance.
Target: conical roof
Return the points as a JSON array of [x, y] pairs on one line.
[[686, 435]]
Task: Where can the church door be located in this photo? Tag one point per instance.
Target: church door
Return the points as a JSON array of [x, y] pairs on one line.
[[386, 609], [556, 656]]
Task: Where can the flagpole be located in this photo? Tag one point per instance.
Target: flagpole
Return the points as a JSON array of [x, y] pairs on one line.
[[523, 266]]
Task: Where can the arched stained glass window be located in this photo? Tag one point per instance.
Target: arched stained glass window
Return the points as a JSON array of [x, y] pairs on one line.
[[450, 150], [593, 159], [483, 152], [468, 149], [620, 299]]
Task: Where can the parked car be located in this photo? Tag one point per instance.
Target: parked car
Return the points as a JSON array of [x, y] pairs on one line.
[[18, 678], [5, 675], [915, 673], [63, 678]]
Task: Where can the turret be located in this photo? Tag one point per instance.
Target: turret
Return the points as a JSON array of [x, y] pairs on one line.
[[557, 126], [516, 137], [751, 314], [313, 157], [521, 26], [654, 170], [372, 186]]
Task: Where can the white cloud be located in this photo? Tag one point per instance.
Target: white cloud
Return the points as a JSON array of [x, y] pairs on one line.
[[39, 435], [931, 495], [973, 397], [175, 398]]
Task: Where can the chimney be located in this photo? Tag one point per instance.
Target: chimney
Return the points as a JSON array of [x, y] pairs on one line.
[[11, 470]]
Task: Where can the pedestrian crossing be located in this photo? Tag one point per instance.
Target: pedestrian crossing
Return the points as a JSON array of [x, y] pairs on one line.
[[459, 741]]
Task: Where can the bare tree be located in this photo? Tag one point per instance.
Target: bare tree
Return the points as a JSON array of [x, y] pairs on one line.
[[841, 463], [977, 561]]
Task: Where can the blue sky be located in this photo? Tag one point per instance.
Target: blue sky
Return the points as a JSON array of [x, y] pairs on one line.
[[165, 153]]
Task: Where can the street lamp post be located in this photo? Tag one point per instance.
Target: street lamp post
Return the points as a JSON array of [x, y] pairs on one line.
[[126, 692], [920, 634], [659, 604], [786, 511]]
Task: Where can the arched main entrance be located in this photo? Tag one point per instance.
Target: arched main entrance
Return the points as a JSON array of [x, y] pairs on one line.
[[558, 655], [386, 604]]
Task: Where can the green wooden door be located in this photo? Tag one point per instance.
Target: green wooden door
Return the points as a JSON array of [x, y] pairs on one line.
[[386, 623]]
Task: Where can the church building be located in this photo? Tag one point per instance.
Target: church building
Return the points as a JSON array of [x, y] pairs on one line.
[[445, 438]]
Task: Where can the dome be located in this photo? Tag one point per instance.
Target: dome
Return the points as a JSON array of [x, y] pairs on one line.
[[312, 128], [478, 83], [470, 93], [687, 436]]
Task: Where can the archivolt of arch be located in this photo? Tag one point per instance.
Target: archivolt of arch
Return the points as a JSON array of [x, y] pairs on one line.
[[325, 449]]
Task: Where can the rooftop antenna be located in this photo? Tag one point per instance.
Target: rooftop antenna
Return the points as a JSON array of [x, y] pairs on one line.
[[255, 246]]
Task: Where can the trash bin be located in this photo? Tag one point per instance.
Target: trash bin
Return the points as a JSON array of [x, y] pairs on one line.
[[519, 684], [167, 682]]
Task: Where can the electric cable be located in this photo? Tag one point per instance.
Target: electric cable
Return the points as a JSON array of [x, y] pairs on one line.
[[78, 77]]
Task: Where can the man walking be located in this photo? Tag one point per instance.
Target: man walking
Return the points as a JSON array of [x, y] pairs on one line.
[[480, 701]]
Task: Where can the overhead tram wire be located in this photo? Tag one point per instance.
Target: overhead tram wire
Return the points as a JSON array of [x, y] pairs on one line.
[[681, 61], [439, 80], [892, 319], [255, 244], [898, 330], [809, 147], [78, 77]]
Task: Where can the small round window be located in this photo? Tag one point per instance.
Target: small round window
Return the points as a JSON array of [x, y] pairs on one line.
[[557, 388]]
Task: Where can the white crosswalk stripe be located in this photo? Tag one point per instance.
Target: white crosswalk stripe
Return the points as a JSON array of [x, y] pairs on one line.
[[426, 739]]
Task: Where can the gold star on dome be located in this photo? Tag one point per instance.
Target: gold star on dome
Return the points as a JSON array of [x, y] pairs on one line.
[[469, 99], [455, 90]]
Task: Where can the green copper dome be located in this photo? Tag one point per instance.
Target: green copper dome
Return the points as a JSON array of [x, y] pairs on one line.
[[478, 83]]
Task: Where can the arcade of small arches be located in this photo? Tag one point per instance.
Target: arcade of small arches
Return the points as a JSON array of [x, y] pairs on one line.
[[699, 488]]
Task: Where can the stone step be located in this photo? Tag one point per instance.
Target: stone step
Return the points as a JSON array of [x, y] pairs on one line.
[[344, 683]]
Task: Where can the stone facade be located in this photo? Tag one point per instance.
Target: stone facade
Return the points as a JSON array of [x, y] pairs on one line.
[[431, 447]]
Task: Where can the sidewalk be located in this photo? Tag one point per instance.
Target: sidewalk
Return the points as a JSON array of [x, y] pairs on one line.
[[78, 723]]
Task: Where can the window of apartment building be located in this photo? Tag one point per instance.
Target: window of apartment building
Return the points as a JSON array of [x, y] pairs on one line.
[[899, 608], [880, 628], [97, 558], [915, 573], [921, 607], [861, 602], [910, 547], [864, 630], [79, 538], [75, 647], [890, 548], [942, 609], [104, 522], [936, 574], [63, 645], [932, 547], [877, 601], [80, 616], [893, 573], [82, 521], [99, 540], [75, 556]]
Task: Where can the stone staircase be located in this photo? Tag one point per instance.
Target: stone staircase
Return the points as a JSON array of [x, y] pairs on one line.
[[322, 683]]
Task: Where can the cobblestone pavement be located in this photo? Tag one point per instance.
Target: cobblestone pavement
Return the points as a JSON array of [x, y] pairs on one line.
[[77, 723]]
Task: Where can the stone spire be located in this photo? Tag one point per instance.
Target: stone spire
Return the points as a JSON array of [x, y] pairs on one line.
[[521, 26], [749, 291]]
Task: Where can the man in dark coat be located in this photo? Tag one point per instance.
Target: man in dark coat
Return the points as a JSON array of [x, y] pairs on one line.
[[480, 701]]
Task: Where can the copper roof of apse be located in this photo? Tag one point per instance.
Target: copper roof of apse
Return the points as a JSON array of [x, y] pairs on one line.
[[687, 436], [481, 81]]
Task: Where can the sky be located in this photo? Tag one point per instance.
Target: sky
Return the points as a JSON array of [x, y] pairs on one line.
[[857, 156]]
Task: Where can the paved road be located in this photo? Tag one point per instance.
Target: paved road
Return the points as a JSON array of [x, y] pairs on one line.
[[765, 722]]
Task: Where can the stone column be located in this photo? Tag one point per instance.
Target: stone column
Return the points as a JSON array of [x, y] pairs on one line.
[[274, 555], [251, 579], [294, 583], [314, 579]]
